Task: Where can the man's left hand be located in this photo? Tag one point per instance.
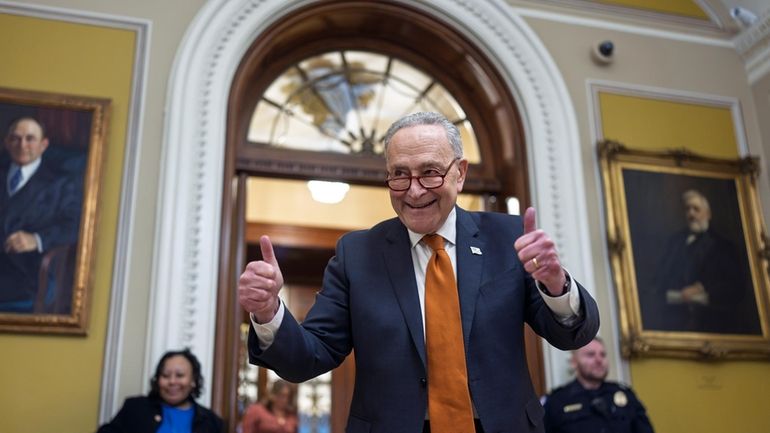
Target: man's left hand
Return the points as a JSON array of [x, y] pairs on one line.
[[538, 253]]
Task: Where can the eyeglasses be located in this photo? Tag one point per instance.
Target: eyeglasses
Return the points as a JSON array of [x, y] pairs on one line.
[[430, 181]]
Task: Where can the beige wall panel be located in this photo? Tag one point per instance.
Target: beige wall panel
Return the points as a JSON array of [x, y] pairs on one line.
[[678, 67], [707, 67], [761, 95]]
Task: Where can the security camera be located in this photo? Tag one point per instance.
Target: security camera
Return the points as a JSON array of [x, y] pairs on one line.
[[602, 52], [744, 17]]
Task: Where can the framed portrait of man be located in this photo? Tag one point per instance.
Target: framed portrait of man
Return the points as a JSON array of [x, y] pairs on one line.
[[689, 253], [50, 171]]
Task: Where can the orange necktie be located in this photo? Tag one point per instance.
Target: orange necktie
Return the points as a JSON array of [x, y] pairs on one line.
[[449, 402]]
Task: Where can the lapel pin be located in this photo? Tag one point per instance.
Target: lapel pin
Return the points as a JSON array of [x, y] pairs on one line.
[[476, 251]]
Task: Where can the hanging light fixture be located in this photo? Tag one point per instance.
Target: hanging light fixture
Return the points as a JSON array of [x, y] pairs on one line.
[[328, 192]]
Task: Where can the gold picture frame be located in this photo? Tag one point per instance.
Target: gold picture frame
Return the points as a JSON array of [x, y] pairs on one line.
[[47, 289], [689, 253]]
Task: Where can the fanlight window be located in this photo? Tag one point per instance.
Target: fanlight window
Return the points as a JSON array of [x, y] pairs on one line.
[[344, 101]]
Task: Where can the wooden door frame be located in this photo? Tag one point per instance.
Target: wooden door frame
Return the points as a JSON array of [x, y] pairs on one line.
[[231, 315]]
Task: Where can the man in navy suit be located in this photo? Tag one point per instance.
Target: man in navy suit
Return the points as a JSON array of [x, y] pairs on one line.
[[39, 210], [373, 298]]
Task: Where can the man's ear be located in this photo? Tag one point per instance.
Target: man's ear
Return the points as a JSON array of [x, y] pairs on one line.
[[44, 144], [462, 166]]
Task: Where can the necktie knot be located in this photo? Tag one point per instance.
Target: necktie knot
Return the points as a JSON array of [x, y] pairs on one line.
[[434, 241], [15, 181]]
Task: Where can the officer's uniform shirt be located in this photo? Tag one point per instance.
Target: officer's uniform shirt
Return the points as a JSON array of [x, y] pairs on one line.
[[612, 408]]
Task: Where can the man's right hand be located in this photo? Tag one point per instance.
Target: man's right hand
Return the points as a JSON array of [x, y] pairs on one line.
[[259, 284], [20, 242], [695, 294]]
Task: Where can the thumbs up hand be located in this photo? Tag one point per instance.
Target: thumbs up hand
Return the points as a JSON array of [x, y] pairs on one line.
[[260, 283], [538, 253]]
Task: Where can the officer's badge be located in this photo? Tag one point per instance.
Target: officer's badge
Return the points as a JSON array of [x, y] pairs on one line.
[[573, 407], [620, 399]]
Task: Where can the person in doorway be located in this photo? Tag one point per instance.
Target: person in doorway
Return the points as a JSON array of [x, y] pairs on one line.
[[170, 406], [433, 302], [276, 414], [591, 403]]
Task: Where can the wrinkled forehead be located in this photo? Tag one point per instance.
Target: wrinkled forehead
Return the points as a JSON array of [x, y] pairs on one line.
[[415, 137]]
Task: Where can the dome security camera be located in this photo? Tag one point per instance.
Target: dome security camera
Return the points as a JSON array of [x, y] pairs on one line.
[[744, 17], [603, 51]]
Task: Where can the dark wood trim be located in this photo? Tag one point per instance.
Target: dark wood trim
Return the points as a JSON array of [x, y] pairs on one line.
[[294, 236], [392, 29], [224, 382]]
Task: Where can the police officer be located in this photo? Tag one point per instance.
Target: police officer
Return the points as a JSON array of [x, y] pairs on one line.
[[590, 404]]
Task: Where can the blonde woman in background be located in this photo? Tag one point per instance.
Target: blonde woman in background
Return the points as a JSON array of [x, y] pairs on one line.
[[276, 414]]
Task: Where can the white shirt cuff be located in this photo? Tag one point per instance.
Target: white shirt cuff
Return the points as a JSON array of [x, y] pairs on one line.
[[39, 243], [266, 331], [566, 307]]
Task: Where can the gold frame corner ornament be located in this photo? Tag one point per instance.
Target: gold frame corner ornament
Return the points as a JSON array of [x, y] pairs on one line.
[[621, 168]]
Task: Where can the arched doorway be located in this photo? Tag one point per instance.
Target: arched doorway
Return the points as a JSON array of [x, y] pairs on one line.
[[189, 279], [286, 80]]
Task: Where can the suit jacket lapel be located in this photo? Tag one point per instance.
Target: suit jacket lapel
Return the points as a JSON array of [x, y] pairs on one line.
[[398, 259], [469, 267]]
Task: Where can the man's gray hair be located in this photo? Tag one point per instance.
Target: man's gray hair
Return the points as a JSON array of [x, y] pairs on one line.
[[427, 118]]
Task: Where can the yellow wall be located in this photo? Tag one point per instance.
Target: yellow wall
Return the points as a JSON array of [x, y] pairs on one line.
[[652, 124], [688, 8], [682, 395], [51, 383]]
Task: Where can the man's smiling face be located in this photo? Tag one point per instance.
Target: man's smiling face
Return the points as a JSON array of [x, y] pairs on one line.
[[418, 151], [25, 142]]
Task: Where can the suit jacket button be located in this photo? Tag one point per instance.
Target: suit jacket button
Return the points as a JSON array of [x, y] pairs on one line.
[[423, 381]]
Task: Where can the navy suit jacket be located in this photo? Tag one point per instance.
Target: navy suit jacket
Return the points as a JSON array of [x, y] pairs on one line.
[[49, 204], [369, 304]]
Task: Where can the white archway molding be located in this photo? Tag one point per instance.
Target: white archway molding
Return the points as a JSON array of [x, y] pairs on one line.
[[189, 208]]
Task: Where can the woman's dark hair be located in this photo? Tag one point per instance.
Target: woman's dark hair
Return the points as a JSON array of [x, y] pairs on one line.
[[196, 373]]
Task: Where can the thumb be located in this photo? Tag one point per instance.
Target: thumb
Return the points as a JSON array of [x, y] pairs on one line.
[[530, 225], [268, 255]]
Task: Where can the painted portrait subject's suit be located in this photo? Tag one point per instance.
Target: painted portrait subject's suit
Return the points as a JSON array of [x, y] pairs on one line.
[[49, 204], [711, 260]]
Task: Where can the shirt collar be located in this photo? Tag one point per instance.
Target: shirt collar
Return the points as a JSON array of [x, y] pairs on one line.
[[26, 170], [448, 230]]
